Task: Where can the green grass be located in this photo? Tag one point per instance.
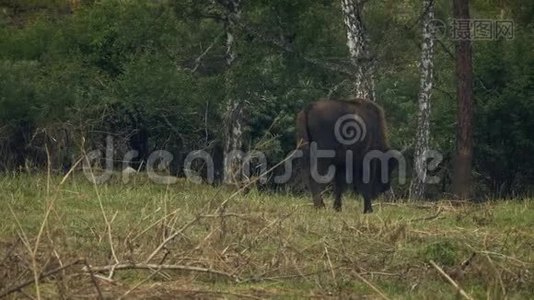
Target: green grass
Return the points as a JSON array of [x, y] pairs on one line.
[[274, 245]]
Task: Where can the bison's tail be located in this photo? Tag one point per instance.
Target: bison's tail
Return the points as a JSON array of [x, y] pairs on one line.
[[303, 134]]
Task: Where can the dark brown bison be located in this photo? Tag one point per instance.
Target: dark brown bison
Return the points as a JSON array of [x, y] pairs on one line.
[[344, 143]]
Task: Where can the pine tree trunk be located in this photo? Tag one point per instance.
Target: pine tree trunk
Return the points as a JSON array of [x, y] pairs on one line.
[[232, 118], [464, 135], [358, 47], [417, 187]]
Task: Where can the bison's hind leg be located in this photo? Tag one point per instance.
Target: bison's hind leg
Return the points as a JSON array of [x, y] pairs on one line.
[[339, 187], [316, 190], [320, 174], [368, 207], [367, 197], [366, 190]]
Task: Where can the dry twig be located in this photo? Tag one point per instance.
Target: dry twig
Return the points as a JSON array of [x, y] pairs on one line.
[[93, 279], [427, 218], [133, 266], [106, 221], [451, 281], [38, 278], [170, 238], [372, 286]]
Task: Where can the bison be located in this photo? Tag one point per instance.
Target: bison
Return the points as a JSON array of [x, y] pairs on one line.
[[345, 143]]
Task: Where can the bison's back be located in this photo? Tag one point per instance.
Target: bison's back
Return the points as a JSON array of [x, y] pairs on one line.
[[325, 122]]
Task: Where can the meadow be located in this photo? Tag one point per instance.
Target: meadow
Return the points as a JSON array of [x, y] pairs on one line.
[[65, 238]]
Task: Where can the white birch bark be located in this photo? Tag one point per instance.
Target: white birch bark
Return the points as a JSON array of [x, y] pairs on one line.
[[233, 116], [417, 186], [358, 48]]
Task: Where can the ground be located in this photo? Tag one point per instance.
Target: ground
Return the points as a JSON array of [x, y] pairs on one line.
[[196, 241]]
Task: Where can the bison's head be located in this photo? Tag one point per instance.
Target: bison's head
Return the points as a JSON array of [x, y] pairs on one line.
[[381, 165], [384, 185]]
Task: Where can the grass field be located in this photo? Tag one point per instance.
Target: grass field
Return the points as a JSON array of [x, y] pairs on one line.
[[143, 240]]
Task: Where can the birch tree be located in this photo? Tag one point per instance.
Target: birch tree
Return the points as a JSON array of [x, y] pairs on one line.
[[417, 187], [357, 43], [233, 122]]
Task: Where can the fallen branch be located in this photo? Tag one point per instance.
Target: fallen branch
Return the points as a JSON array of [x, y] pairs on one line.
[[241, 216], [143, 266], [406, 204], [505, 257], [451, 281], [374, 288], [39, 277], [93, 279], [274, 278], [427, 218]]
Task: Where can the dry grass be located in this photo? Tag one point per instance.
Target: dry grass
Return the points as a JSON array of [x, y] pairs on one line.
[[142, 240]]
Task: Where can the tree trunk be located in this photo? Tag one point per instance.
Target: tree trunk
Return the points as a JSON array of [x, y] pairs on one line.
[[417, 187], [464, 134], [357, 41], [233, 121], [358, 47]]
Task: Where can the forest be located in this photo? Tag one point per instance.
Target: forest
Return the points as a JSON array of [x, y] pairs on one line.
[[156, 75], [103, 104]]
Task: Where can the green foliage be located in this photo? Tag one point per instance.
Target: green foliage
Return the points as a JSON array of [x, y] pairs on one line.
[[505, 115], [122, 66], [444, 253], [16, 87]]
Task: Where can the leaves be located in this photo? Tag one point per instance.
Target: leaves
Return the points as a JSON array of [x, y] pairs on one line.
[[166, 60]]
